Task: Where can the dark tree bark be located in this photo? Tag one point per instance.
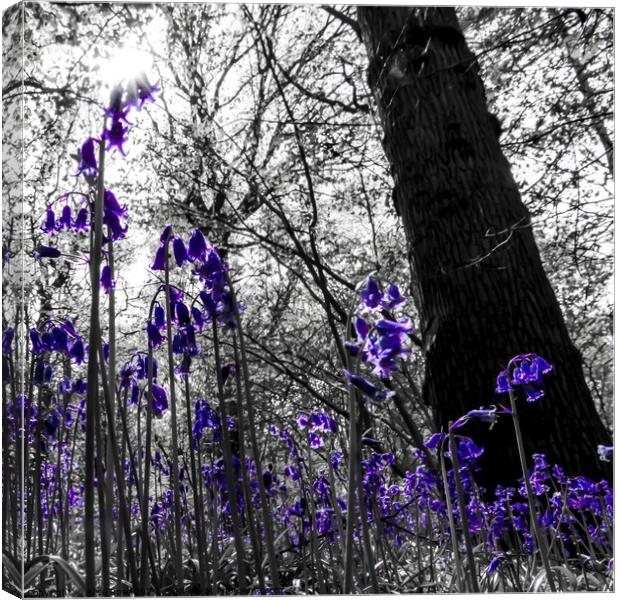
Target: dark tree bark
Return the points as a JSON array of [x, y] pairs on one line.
[[479, 277]]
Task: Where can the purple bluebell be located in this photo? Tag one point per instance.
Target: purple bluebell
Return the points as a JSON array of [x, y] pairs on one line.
[[7, 340], [60, 339], [183, 315], [81, 223], [393, 299], [183, 369], [180, 251], [160, 400], [114, 216], [107, 283], [116, 136], [46, 252], [605, 453], [198, 317], [435, 441], [76, 351], [140, 91], [197, 247], [485, 415], [361, 328], [88, 162], [49, 227], [336, 459], [371, 295], [315, 441], [503, 383], [37, 344], [66, 218], [159, 262], [154, 336]]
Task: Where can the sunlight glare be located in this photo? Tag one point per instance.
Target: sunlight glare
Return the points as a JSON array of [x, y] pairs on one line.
[[124, 63]]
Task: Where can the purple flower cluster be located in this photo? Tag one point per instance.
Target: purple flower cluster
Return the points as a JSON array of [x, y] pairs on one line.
[[216, 303], [133, 377], [524, 371], [314, 423], [381, 340]]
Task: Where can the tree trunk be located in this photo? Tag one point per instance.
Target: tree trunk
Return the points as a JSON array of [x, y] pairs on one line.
[[478, 272]]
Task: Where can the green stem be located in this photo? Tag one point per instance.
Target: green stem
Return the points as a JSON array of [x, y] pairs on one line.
[[266, 508], [93, 382], [540, 539], [471, 563], [452, 520], [231, 483], [178, 558]]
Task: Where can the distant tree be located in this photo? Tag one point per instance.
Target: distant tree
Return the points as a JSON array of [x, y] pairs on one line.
[[482, 291]]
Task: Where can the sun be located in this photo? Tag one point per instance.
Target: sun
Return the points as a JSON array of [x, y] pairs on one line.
[[123, 64]]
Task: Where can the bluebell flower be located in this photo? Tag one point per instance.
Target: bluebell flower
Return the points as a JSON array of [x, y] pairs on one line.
[[605, 453], [361, 328], [154, 336], [159, 316], [160, 400], [292, 472], [7, 340], [371, 295], [37, 344], [114, 216], [467, 450], [362, 384], [183, 368], [107, 283], [49, 227], [116, 136], [393, 299], [352, 348], [496, 561], [88, 162], [387, 327], [183, 315], [435, 441], [60, 339], [81, 223], [336, 459], [485, 415], [66, 220], [198, 317], [140, 91], [315, 440], [116, 110], [180, 252], [527, 371], [76, 351], [159, 263], [46, 252], [166, 234], [197, 246]]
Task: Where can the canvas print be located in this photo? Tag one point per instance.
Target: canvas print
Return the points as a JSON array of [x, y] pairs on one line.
[[306, 299]]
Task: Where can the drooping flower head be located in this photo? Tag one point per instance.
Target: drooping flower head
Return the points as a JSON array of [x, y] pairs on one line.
[[116, 136], [7, 340], [140, 91], [88, 162], [107, 283], [49, 227], [46, 252], [524, 371]]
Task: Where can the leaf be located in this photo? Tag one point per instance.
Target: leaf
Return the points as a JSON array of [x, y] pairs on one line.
[[13, 570], [60, 563]]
